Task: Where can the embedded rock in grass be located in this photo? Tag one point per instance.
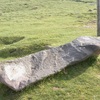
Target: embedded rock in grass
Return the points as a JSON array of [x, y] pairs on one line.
[[19, 73]]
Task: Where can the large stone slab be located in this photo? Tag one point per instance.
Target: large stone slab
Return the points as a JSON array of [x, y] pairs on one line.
[[19, 73]]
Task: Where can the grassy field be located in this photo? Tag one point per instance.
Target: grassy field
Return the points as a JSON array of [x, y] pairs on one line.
[[28, 26]]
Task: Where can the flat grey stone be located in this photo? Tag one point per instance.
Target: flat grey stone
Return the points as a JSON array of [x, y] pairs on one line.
[[19, 73]]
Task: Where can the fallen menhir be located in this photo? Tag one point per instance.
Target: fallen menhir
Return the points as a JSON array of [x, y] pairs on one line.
[[19, 73]]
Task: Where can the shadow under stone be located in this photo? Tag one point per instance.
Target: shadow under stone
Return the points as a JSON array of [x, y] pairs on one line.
[[22, 51]]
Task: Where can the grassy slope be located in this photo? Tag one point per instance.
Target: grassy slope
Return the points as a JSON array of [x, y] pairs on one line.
[[42, 23], [27, 26]]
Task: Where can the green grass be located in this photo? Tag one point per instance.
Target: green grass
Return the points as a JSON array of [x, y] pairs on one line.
[[28, 26], [43, 23]]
